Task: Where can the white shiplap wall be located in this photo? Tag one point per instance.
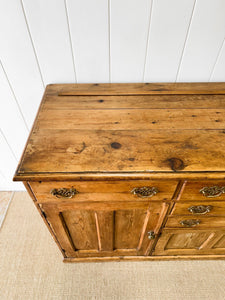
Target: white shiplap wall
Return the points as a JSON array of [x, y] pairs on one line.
[[59, 41]]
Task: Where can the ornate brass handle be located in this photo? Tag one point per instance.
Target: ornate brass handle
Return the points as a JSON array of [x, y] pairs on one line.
[[200, 209], [64, 193], [190, 223], [212, 191], [145, 191], [151, 235]]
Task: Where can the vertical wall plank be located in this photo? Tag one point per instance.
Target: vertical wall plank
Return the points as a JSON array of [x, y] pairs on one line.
[[218, 73], [88, 22], [168, 28], [2, 182], [11, 121], [48, 26], [128, 39], [204, 41], [8, 165], [18, 58]]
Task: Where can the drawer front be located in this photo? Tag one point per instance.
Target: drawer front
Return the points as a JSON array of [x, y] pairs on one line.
[[190, 242], [195, 222], [204, 190], [197, 208], [140, 190]]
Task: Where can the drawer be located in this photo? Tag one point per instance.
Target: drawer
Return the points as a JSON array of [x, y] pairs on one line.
[[190, 242], [195, 222], [199, 208], [203, 190], [104, 190]]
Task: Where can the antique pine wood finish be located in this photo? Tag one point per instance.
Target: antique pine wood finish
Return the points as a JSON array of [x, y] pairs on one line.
[[142, 167]]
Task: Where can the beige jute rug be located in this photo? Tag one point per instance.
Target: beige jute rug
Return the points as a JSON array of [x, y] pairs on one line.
[[31, 268]]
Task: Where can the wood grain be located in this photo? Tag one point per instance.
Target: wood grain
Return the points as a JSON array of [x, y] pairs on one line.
[[190, 242], [106, 228], [82, 227], [128, 225], [139, 88], [90, 102], [150, 151], [104, 190], [132, 120], [145, 258]]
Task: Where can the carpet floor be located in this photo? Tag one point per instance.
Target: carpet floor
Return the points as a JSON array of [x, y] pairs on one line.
[[5, 199], [31, 268]]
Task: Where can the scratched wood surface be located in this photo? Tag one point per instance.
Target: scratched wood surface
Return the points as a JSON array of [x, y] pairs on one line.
[[136, 128]]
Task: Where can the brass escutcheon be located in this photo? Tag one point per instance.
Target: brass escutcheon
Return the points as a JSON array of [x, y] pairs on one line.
[[64, 192], [144, 191], [212, 191]]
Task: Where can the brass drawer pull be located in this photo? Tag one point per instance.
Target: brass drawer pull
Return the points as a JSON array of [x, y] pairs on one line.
[[64, 193], [151, 235], [200, 209], [145, 191], [190, 223], [212, 191]]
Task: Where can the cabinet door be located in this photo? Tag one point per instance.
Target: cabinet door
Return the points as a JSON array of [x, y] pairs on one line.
[[105, 229], [190, 242]]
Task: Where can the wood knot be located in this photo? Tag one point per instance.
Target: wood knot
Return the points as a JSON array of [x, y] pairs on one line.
[[116, 145], [176, 164], [78, 149]]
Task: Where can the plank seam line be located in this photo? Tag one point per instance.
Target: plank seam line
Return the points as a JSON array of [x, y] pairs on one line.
[[71, 43], [14, 95], [217, 59], [4, 137], [109, 33], [147, 42], [185, 42], [3, 175], [32, 42]]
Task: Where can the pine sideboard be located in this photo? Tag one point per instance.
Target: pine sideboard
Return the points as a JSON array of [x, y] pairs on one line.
[[130, 171]]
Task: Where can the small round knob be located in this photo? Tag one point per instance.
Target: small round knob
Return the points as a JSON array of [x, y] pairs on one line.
[[151, 235]]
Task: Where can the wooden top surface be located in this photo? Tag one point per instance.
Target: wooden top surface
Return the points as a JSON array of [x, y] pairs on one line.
[[126, 128]]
